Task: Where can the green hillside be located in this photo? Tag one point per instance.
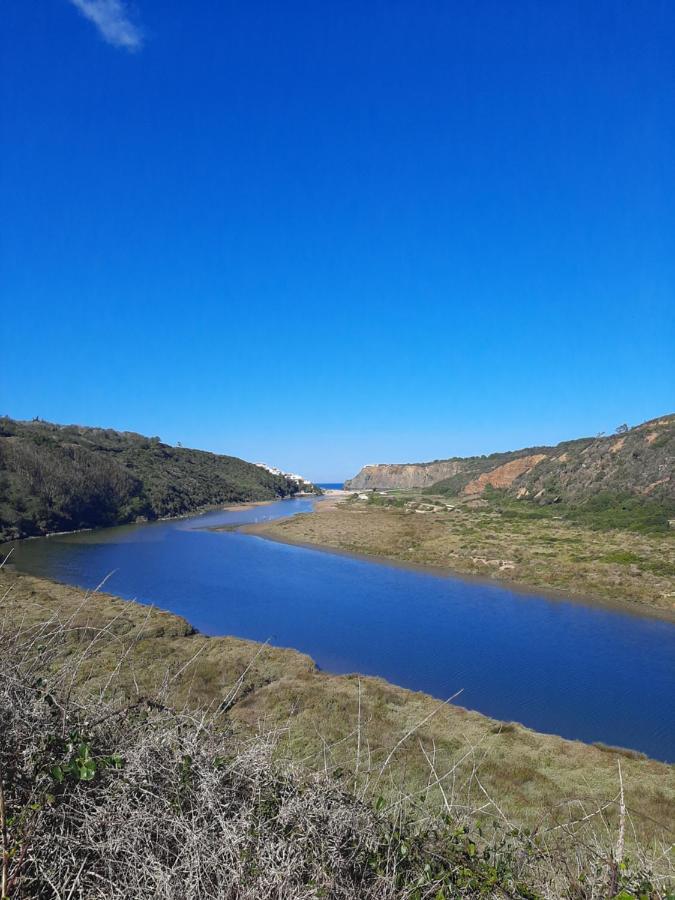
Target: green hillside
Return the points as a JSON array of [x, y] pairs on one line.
[[623, 480], [64, 477]]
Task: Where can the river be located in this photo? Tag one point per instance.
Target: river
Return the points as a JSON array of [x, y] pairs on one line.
[[581, 671]]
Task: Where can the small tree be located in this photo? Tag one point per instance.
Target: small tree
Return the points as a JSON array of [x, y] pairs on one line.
[[622, 429]]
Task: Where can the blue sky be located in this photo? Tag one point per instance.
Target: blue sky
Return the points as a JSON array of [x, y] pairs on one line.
[[324, 235]]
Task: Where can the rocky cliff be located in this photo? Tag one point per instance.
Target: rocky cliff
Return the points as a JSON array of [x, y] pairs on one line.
[[407, 475], [639, 460]]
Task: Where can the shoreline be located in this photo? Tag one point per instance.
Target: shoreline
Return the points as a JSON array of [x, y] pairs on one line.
[[329, 500], [232, 506], [641, 610], [182, 628]]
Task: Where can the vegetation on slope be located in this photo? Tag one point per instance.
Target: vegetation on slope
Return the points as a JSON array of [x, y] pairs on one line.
[[116, 782], [619, 481], [638, 462], [61, 478], [601, 512]]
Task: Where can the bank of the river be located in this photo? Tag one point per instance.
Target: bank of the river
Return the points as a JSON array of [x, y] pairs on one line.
[[238, 506], [612, 568], [342, 722]]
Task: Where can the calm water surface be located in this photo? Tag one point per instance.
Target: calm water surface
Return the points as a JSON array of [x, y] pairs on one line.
[[556, 666]]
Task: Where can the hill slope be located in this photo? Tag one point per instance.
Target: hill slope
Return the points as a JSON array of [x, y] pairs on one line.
[[639, 462], [63, 477]]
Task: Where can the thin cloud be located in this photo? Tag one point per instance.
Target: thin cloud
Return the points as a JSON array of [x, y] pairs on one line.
[[111, 17]]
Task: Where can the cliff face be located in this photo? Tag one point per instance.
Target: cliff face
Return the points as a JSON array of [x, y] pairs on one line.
[[639, 461], [412, 475], [476, 471]]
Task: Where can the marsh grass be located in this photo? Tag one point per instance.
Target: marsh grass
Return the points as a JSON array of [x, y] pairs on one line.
[[540, 551], [119, 783]]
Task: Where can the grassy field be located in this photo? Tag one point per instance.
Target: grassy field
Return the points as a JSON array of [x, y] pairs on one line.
[[378, 739], [479, 539]]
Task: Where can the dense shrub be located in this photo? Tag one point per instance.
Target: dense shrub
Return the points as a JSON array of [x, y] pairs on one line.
[[61, 478], [603, 511]]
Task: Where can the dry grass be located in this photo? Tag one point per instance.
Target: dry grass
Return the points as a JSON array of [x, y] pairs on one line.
[[543, 553], [112, 787], [125, 650]]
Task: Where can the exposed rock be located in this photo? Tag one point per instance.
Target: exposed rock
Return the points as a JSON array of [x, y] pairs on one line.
[[639, 461], [404, 476], [504, 476]]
